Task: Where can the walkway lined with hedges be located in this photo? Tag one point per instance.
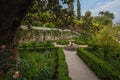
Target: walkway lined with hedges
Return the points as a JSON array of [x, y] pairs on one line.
[[78, 70]]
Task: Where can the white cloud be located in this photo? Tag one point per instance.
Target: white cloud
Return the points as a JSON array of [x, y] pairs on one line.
[[109, 5]]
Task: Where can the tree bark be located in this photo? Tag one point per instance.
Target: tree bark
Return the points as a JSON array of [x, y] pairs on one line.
[[12, 13]]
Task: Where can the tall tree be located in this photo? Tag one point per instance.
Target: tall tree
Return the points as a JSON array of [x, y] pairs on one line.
[[78, 10], [70, 13], [86, 25], [107, 13], [70, 6], [104, 18], [87, 18], [106, 38], [12, 13]]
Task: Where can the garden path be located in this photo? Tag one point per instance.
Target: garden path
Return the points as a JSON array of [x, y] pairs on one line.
[[78, 70]]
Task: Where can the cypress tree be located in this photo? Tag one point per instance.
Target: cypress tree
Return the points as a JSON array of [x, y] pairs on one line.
[[78, 10]]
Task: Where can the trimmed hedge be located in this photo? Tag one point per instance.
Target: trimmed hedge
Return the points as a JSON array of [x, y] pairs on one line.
[[35, 67], [36, 44], [62, 42], [62, 66], [80, 42], [38, 49], [104, 70]]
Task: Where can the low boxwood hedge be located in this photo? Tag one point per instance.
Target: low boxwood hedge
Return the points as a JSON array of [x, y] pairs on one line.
[[80, 42], [104, 70], [36, 44], [62, 66], [63, 42], [38, 49]]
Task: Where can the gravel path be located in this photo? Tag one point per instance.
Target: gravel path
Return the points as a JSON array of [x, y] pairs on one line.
[[78, 70]]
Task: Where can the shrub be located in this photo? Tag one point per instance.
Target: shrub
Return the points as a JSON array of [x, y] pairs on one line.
[[50, 25], [36, 23], [6, 62], [62, 66], [36, 66], [104, 70], [35, 46], [79, 42], [62, 42]]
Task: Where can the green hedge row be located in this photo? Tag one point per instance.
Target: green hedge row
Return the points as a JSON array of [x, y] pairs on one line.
[[36, 44], [38, 49], [37, 66], [62, 66], [63, 42], [104, 70], [79, 42]]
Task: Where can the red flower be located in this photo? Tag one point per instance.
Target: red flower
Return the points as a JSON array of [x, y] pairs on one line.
[[16, 75]]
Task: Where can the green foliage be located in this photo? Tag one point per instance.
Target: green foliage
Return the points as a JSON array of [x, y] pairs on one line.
[[78, 10], [37, 44], [105, 35], [80, 41], [117, 29], [38, 47], [103, 20], [104, 70], [37, 63], [107, 13], [79, 22], [96, 27], [46, 11], [7, 62], [62, 66], [96, 49], [36, 66], [86, 25], [107, 41], [87, 19], [35, 23], [63, 42], [111, 53], [89, 26], [50, 25]]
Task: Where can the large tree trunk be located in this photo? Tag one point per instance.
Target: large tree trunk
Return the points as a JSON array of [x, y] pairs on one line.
[[12, 13]]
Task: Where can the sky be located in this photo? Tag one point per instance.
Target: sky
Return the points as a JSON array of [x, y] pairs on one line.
[[95, 6]]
